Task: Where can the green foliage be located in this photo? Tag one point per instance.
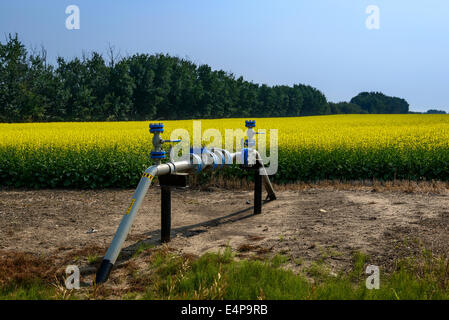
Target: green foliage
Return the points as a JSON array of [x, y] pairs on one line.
[[27, 290], [377, 102], [90, 169], [107, 168], [93, 259], [142, 87], [219, 276], [356, 163], [434, 111], [345, 108], [142, 248]]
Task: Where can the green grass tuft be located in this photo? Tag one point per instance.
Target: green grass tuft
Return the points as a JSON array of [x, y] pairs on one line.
[[221, 276]]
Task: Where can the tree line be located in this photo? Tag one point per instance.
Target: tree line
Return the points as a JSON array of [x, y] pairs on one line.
[[150, 87]]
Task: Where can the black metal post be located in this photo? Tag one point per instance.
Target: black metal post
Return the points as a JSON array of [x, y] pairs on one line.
[[257, 191], [165, 214]]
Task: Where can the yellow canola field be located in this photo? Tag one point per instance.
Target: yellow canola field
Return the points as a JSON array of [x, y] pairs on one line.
[[412, 145]]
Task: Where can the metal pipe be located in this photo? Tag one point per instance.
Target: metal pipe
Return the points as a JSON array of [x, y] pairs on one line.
[[263, 172], [266, 181], [165, 214], [125, 225], [257, 191], [127, 220], [142, 188]]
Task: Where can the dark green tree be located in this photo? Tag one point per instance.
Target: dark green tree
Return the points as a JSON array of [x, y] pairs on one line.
[[434, 111], [16, 101], [150, 87], [314, 101], [377, 102], [345, 108]]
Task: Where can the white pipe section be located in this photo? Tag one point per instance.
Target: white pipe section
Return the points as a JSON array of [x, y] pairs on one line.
[[127, 220]]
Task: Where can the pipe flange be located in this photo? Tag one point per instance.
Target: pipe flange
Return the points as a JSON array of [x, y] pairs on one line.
[[211, 156], [224, 155], [157, 154], [196, 160], [172, 167]]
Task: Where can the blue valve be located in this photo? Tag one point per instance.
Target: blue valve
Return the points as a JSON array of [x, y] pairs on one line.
[[156, 127], [250, 142], [250, 123], [157, 153]]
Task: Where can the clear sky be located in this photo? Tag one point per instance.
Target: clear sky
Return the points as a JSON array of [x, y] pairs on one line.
[[324, 43]]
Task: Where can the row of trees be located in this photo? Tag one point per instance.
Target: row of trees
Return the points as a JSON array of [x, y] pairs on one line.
[[434, 111], [144, 87], [377, 102]]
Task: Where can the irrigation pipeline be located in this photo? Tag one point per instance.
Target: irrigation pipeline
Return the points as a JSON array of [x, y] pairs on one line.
[[199, 161]]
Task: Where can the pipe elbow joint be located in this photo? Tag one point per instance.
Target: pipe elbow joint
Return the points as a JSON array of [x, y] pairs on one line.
[[153, 171]]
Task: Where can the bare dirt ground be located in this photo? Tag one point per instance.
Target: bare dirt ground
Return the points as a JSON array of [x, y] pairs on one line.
[[306, 224]]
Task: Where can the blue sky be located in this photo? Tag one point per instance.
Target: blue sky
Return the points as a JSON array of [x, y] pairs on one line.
[[324, 43]]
